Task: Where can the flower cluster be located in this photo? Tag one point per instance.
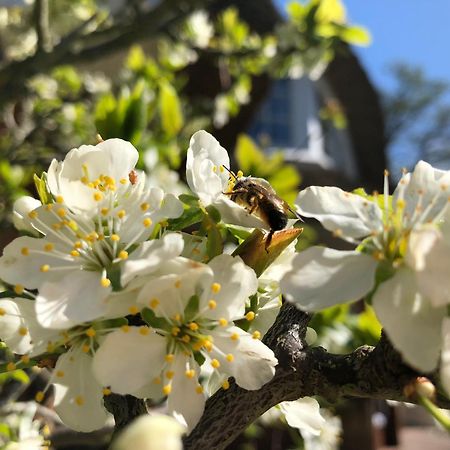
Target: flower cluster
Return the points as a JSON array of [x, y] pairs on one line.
[[103, 288], [401, 261]]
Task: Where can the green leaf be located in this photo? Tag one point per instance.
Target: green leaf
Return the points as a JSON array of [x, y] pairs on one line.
[[106, 120], [170, 109], [42, 189], [187, 199], [156, 322], [356, 35], [5, 430], [369, 325], [136, 58], [213, 213], [135, 120], [190, 217], [248, 155], [199, 358], [192, 307]]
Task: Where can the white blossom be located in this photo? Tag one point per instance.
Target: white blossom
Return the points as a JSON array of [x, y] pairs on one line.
[[191, 307], [401, 239], [207, 177]]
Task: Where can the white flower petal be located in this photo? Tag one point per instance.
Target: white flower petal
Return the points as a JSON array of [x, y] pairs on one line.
[[141, 359], [253, 363], [184, 401], [23, 259], [150, 255], [155, 432], [323, 277], [234, 214], [303, 414], [411, 322], [205, 156], [425, 187], [445, 357], [347, 214], [429, 255], [12, 321], [77, 298], [21, 208], [78, 396], [235, 281]]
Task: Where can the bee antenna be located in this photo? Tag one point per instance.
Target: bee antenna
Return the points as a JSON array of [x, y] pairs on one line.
[[230, 172]]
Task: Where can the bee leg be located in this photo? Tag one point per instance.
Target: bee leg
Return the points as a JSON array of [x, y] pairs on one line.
[[237, 191], [269, 240]]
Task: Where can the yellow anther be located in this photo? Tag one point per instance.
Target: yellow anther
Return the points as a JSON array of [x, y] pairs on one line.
[[49, 247], [18, 289], [186, 338], [145, 206], [216, 287], [214, 168], [25, 251], [250, 316], [23, 331], [59, 199], [105, 282], [256, 335], [45, 268], [59, 373], [167, 389], [98, 196], [226, 385], [79, 400], [199, 389], [48, 207], [208, 345], [401, 203], [175, 331], [85, 348], [121, 214], [125, 328], [90, 332], [170, 374], [25, 359], [84, 179], [78, 244], [190, 373], [147, 222], [157, 380], [104, 211], [193, 326], [144, 330], [133, 309], [240, 174], [178, 284], [61, 212], [39, 396], [212, 304], [123, 254], [215, 363], [2, 312], [115, 237], [223, 322], [32, 214], [221, 169], [153, 303], [234, 337], [169, 357], [177, 317], [123, 181], [75, 253], [230, 357], [10, 366], [106, 391]]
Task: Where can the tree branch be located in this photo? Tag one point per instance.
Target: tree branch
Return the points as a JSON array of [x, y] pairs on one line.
[[80, 47], [41, 23], [370, 372]]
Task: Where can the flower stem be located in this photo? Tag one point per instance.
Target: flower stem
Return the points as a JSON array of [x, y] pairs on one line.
[[442, 418]]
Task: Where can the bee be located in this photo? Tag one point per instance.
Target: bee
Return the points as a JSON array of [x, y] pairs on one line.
[[258, 197]]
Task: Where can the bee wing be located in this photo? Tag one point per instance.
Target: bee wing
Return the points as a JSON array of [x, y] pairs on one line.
[[264, 185]]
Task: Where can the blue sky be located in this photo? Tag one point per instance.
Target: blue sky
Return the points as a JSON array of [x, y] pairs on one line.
[[416, 32]]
